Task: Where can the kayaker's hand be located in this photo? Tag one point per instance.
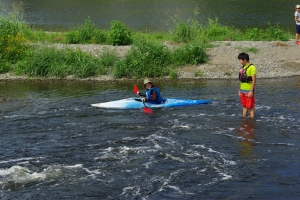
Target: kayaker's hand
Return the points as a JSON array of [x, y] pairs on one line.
[[143, 99]]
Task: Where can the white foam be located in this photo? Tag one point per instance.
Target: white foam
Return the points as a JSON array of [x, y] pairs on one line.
[[21, 174], [74, 166], [131, 191], [20, 159], [169, 156], [282, 117], [225, 176]]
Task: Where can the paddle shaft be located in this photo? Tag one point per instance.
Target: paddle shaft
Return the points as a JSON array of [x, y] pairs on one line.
[[146, 109]]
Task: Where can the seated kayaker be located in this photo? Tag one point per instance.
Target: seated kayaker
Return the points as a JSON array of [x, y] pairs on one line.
[[152, 94]]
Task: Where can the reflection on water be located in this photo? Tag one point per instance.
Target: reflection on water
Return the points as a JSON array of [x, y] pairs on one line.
[[246, 131]]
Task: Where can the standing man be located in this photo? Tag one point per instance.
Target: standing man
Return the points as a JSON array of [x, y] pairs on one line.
[[297, 19], [247, 78]]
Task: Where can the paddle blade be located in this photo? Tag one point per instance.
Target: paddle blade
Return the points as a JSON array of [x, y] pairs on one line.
[[148, 111], [135, 89]]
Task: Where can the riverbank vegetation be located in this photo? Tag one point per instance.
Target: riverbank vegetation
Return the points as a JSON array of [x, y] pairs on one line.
[[24, 51]]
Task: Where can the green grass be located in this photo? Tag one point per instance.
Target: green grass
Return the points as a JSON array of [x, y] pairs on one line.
[[153, 59], [248, 49], [49, 62], [152, 54]]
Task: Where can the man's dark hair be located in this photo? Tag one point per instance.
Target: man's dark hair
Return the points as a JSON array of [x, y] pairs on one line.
[[243, 56]]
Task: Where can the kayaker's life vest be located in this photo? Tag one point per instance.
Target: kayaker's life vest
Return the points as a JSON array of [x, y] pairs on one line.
[[243, 75], [149, 96]]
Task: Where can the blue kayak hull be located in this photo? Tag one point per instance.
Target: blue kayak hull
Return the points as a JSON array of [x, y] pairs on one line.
[[131, 103]]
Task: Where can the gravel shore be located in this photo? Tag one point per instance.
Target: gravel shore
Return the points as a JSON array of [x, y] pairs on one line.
[[272, 59]]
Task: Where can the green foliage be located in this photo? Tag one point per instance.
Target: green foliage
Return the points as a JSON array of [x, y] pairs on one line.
[[13, 42], [252, 49], [89, 33], [173, 74], [148, 56], [121, 70], [107, 60], [153, 36], [13, 47], [4, 66], [248, 49], [86, 33], [269, 34], [38, 35], [185, 32], [145, 59], [119, 34], [150, 59], [99, 37], [276, 33], [198, 73], [216, 32], [192, 31], [61, 63], [189, 54], [253, 33]]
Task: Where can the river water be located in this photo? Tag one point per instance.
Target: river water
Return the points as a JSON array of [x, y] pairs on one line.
[[54, 145], [154, 15]]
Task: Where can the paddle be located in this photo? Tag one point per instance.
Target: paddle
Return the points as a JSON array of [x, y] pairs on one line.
[[146, 109]]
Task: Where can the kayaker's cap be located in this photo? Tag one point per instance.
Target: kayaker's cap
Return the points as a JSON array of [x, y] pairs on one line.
[[297, 6], [147, 81]]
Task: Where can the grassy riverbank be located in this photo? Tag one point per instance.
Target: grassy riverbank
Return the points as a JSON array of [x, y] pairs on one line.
[[25, 51]]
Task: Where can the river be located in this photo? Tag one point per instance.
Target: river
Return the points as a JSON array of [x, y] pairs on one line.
[[155, 15], [54, 145]]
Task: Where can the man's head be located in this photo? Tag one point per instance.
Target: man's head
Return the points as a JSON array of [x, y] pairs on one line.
[[243, 56], [147, 83]]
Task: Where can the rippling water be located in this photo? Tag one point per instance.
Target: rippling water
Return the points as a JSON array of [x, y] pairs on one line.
[[54, 145], [155, 15]]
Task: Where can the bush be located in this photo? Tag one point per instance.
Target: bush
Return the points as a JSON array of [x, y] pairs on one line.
[[119, 34], [86, 33], [216, 32], [253, 34], [13, 47], [268, 34], [189, 54], [13, 42], [4, 66], [185, 32], [276, 33], [52, 62], [145, 59], [150, 59], [99, 37]]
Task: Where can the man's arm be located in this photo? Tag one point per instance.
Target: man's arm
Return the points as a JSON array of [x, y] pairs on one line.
[[142, 94], [252, 85]]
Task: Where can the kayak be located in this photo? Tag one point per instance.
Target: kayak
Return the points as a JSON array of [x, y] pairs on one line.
[[131, 103]]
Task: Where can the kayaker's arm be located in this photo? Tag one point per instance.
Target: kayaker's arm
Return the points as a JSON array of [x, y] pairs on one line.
[[141, 94], [153, 95]]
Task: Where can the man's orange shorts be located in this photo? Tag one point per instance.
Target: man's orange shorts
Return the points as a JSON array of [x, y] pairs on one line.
[[246, 101]]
